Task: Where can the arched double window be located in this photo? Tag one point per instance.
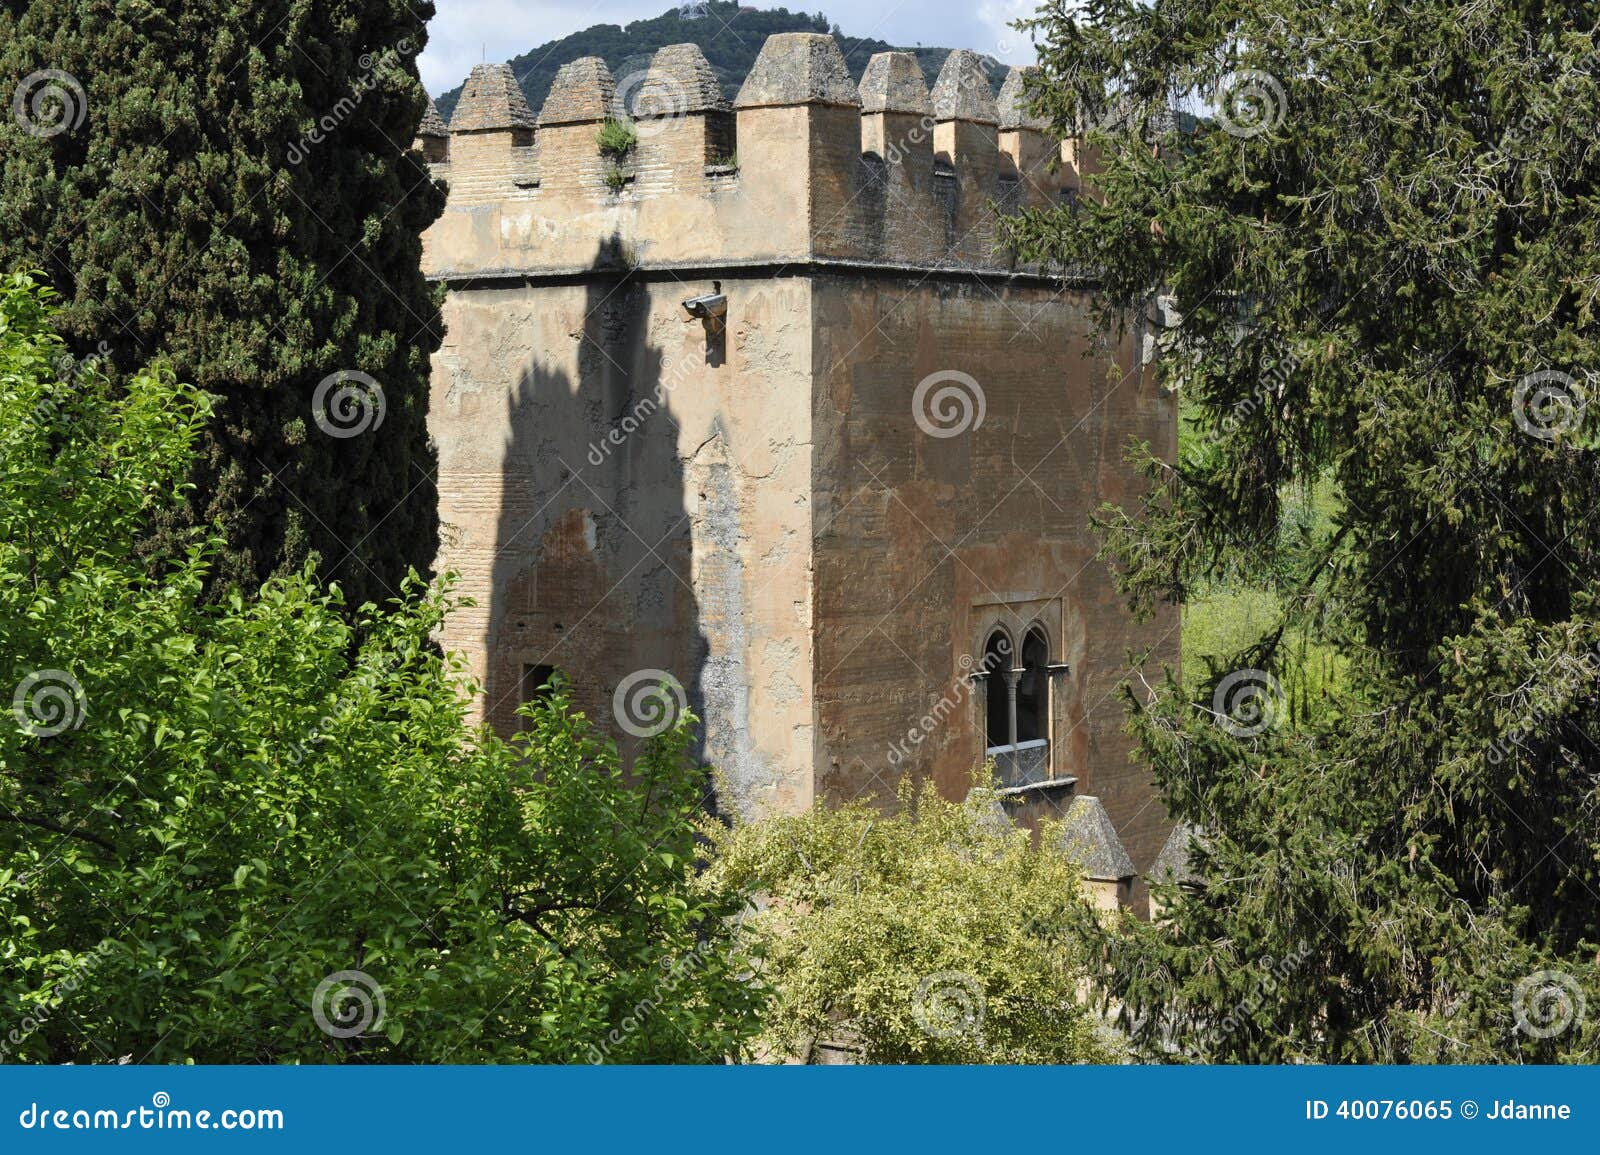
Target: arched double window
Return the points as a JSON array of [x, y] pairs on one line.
[[997, 652], [1033, 689], [1017, 705]]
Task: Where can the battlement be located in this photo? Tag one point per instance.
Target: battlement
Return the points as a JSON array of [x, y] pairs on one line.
[[658, 170]]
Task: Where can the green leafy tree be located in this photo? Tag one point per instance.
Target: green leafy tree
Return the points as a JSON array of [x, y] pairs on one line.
[[1380, 249], [227, 185], [935, 934], [230, 832]]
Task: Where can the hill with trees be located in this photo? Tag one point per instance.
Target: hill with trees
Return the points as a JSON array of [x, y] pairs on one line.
[[729, 34]]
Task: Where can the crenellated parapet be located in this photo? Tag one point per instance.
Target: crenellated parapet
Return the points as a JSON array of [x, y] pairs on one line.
[[804, 166], [492, 152]]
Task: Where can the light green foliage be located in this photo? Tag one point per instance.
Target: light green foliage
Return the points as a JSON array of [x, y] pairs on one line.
[[937, 934], [617, 139], [1385, 230], [249, 797], [1225, 616]]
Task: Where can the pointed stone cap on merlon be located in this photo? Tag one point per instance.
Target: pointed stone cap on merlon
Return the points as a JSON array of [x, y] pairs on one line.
[[582, 91], [681, 80], [893, 83], [989, 815], [1013, 104], [433, 125], [491, 101], [1089, 839], [962, 91], [798, 68], [1174, 863]]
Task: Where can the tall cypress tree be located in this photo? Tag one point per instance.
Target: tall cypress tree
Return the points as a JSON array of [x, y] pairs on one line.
[[1380, 249], [228, 184]]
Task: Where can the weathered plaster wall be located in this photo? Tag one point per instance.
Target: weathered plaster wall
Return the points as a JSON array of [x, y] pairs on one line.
[[603, 531], [924, 542]]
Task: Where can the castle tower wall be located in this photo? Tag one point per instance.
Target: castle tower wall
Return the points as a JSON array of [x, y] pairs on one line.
[[616, 502], [934, 527], [491, 144], [902, 215], [1028, 154], [965, 138], [740, 493]]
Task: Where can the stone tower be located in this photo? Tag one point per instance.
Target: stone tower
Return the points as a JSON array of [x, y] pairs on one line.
[[755, 401]]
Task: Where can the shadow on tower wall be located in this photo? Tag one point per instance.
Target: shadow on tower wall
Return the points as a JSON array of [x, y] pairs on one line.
[[593, 550]]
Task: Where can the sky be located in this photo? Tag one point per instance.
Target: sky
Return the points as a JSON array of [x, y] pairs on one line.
[[467, 32]]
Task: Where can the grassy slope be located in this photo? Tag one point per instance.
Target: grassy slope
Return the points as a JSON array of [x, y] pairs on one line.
[[1227, 618]]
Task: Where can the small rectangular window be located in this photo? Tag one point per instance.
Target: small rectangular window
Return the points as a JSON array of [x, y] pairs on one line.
[[536, 684]]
